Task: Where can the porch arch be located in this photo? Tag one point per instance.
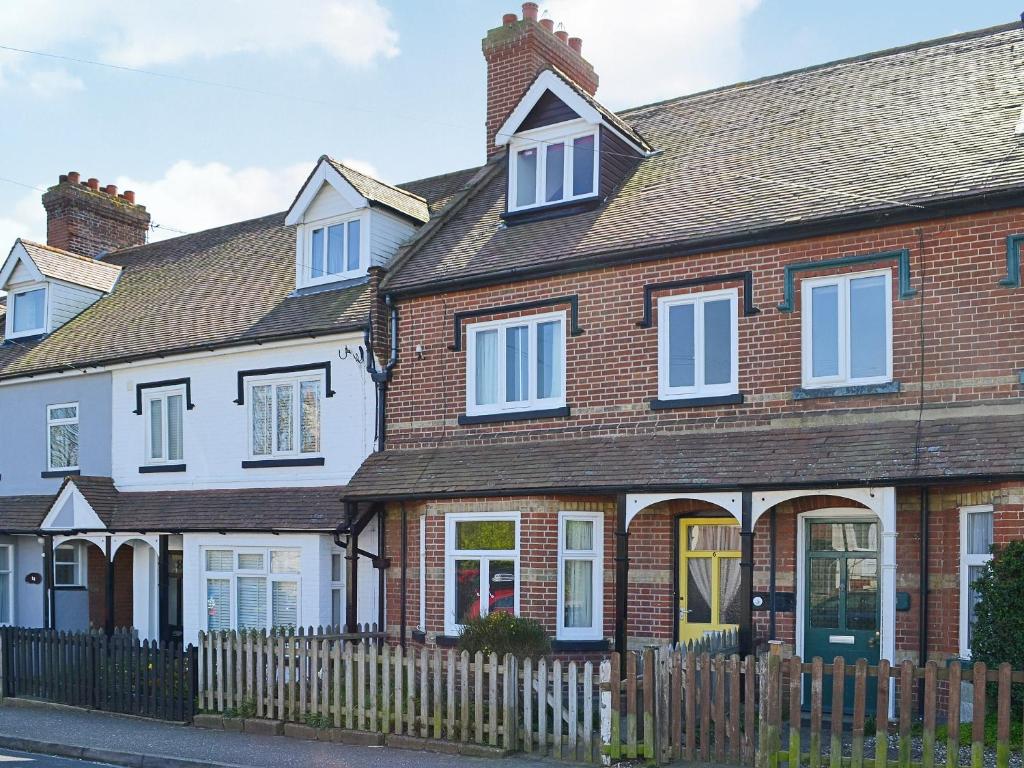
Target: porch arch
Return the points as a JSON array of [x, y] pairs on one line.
[[728, 502]]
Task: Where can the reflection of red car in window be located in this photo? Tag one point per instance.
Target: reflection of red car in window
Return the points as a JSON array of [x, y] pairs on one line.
[[502, 598]]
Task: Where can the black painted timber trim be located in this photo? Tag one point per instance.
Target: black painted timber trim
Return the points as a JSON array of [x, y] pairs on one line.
[[888, 388], [317, 461], [695, 402], [572, 300], [581, 646], [61, 473], [550, 211], [748, 292], [494, 418], [446, 641], [187, 382], [243, 375], [157, 468]]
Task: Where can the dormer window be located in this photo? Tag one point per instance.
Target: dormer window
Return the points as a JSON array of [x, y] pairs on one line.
[[552, 166], [335, 250], [28, 313]]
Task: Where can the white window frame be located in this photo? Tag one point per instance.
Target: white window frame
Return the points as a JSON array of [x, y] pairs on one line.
[[80, 564], [451, 627], [306, 249], [273, 381], [236, 572], [55, 422], [532, 403], [338, 585], [6, 621], [540, 139], [843, 377], [966, 561], [162, 394], [9, 331], [596, 556], [699, 389]]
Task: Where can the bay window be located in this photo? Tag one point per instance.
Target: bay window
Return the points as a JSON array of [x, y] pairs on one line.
[[847, 329], [580, 576], [516, 365], [284, 416], [164, 410], [251, 588], [62, 437], [481, 566], [976, 537], [551, 167], [697, 345]]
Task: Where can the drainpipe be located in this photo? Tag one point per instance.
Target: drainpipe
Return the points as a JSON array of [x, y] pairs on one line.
[[746, 635], [352, 583], [924, 589], [621, 580], [773, 531], [381, 564], [49, 605], [381, 377], [403, 618], [109, 626]]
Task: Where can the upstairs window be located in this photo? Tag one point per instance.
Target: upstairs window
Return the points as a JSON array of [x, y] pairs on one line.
[[62, 437], [28, 312], [164, 429], [697, 345], [334, 250], [516, 365], [548, 168], [847, 329], [284, 416]]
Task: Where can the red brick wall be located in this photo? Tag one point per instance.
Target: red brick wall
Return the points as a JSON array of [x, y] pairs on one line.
[[515, 54], [123, 586], [973, 336]]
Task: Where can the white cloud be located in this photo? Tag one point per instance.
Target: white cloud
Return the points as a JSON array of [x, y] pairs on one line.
[[362, 166], [657, 49], [354, 32], [26, 218], [50, 83]]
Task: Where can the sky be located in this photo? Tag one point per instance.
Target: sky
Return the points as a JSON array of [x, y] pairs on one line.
[[395, 87]]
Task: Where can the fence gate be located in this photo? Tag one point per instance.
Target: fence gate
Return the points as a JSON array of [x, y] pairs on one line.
[[115, 674]]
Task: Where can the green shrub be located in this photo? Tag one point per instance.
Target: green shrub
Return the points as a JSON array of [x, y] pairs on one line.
[[998, 634], [503, 633]]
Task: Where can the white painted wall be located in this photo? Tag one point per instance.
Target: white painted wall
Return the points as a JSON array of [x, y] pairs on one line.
[[66, 301], [216, 438], [315, 578], [145, 591]]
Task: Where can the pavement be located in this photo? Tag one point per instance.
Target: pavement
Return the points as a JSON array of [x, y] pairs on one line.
[[141, 743]]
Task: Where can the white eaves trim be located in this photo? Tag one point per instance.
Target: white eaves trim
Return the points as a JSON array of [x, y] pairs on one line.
[[324, 173], [549, 81], [18, 255]]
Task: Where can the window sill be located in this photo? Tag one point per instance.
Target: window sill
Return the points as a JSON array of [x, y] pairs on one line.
[[550, 211], [70, 588], [446, 641], [580, 645], [257, 464], [660, 404], [61, 473], [419, 636], [850, 390], [155, 468], [492, 418]]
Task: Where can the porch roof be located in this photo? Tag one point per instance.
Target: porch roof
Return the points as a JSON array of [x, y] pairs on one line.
[[877, 453], [23, 512]]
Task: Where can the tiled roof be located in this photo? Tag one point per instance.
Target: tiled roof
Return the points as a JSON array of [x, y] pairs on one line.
[[439, 190], [628, 131], [72, 268], [21, 513], [230, 285], [875, 454], [101, 494], [398, 199], [896, 131]]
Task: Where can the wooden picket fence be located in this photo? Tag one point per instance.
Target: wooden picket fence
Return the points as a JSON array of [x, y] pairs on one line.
[[115, 673]]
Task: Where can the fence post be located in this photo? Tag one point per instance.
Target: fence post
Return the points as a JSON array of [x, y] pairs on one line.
[[605, 682], [768, 672]]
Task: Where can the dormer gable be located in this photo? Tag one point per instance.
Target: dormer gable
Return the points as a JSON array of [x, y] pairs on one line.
[[564, 148], [347, 222], [47, 286], [82, 504]]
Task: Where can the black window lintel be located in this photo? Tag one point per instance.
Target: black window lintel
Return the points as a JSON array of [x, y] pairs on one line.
[[748, 292], [243, 375], [187, 383], [572, 300]]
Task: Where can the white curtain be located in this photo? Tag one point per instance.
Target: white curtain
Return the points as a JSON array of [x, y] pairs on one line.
[[156, 429], [579, 593], [979, 533], [486, 367], [729, 589]]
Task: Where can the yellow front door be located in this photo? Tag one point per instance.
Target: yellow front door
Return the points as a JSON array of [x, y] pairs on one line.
[[709, 576]]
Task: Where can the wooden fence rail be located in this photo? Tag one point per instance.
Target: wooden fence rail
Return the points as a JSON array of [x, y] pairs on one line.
[[115, 673]]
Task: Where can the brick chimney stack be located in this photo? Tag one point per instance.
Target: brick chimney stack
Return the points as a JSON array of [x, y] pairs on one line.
[[90, 220], [519, 49]]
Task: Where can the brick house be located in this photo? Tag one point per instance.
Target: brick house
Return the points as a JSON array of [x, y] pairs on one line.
[[747, 358]]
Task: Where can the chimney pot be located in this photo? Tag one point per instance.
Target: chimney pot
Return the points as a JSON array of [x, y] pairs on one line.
[[563, 36], [530, 11], [111, 190], [62, 178], [93, 184], [74, 176], [509, 19], [548, 24], [91, 220], [129, 195], [576, 43]]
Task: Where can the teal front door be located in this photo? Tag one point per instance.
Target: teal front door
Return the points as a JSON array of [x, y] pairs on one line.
[[842, 607]]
